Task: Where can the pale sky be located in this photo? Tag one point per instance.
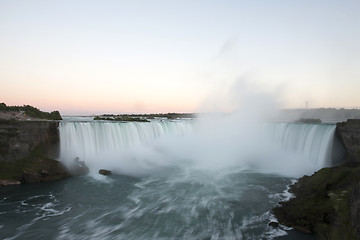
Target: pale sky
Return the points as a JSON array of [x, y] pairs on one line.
[[83, 57]]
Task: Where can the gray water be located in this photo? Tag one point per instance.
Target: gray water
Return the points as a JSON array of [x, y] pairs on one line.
[[173, 205]]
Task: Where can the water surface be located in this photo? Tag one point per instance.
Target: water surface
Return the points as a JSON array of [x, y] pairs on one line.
[[178, 204]]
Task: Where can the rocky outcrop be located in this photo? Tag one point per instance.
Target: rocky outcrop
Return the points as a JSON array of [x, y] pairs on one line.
[[349, 134], [19, 138], [326, 203], [27, 149], [355, 209], [105, 172]]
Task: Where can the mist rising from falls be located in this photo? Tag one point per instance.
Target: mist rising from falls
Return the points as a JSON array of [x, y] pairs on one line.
[[221, 143]]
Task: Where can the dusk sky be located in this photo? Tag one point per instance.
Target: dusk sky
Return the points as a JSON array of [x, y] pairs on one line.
[[84, 57]]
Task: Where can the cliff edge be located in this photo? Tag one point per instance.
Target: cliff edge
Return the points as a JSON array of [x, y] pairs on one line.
[[349, 134], [27, 152]]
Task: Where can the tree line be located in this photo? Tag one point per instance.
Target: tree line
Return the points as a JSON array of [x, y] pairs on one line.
[[31, 111]]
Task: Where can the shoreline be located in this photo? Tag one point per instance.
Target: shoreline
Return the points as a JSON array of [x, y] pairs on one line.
[[325, 203]]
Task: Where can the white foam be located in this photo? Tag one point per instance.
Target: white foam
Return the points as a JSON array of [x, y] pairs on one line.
[[286, 195]]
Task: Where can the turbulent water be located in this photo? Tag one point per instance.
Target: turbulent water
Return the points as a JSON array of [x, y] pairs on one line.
[[173, 180]]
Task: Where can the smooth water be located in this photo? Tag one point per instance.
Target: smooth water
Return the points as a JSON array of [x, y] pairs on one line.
[[173, 180]]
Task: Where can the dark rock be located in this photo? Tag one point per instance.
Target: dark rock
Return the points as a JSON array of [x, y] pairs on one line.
[[27, 149], [303, 229], [19, 138], [325, 204], [49, 169], [355, 209], [349, 134], [33, 168], [44, 173], [273, 224], [30, 177], [104, 172]]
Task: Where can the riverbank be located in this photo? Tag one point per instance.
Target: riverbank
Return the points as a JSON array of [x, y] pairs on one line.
[[325, 203], [31, 169]]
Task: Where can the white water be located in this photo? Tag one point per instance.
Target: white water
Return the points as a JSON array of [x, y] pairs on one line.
[[142, 148], [117, 145], [89, 138], [313, 141]]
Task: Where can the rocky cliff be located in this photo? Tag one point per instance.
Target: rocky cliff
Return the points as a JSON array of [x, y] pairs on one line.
[[326, 203], [349, 134], [27, 149], [19, 138], [355, 209]]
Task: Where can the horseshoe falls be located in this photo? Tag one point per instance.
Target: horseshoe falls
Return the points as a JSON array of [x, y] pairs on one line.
[[181, 179], [122, 146]]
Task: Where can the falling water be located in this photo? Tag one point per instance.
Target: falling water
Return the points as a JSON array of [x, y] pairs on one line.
[[84, 139], [112, 143]]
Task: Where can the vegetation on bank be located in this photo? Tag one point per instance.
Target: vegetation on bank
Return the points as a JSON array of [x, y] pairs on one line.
[[32, 112], [323, 203], [33, 168], [143, 117]]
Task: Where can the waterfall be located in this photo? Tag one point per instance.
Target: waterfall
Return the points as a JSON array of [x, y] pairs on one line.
[[314, 141], [286, 148], [86, 139]]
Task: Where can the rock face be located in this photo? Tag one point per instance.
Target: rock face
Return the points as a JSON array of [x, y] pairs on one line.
[[19, 138], [326, 203], [26, 152], [273, 224], [349, 134], [355, 209]]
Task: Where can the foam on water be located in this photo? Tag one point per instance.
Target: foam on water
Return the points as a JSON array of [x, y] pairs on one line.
[[40, 207]]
